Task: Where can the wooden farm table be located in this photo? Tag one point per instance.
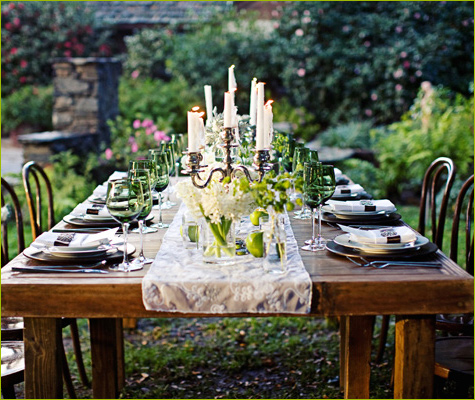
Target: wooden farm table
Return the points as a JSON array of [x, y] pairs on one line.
[[340, 288]]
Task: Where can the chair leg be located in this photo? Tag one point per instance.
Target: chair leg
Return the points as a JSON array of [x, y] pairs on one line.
[[78, 353], [383, 336], [8, 391], [67, 375]]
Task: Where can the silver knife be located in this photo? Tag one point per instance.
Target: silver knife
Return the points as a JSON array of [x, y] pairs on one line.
[[59, 269]]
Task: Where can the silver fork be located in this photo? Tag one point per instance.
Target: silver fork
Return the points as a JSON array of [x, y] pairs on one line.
[[383, 264]]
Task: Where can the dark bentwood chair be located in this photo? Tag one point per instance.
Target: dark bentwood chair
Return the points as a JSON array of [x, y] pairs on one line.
[[454, 354], [439, 177], [33, 172]]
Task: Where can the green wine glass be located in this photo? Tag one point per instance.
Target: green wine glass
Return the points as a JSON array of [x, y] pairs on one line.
[[144, 176], [301, 156], [313, 197], [168, 148], [161, 162], [125, 202], [148, 165]]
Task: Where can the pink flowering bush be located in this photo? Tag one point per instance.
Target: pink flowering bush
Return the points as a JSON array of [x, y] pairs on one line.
[[132, 139], [35, 32]]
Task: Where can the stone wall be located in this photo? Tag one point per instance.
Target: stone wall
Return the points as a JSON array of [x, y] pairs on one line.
[[86, 94]]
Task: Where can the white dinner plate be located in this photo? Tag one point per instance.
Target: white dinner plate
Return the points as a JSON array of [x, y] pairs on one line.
[[343, 214], [79, 254], [344, 240]]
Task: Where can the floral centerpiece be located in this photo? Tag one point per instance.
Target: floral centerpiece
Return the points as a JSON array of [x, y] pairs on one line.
[[220, 204]]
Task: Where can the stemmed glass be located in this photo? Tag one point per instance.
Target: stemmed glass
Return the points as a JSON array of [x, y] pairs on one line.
[[319, 185], [161, 162], [148, 165], [168, 147], [301, 156], [124, 202], [144, 176]]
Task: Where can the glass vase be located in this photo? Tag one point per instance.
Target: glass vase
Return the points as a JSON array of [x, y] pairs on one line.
[[275, 246], [218, 241]]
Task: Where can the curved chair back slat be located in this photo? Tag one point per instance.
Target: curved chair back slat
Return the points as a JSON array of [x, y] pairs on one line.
[[35, 199], [462, 196], [440, 175], [8, 190]]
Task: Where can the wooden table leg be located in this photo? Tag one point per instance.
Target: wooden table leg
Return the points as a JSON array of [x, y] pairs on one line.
[[343, 350], [107, 357], [43, 367], [357, 357], [414, 357]]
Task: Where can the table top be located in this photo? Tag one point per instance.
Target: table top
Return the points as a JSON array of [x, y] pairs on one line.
[[339, 286]]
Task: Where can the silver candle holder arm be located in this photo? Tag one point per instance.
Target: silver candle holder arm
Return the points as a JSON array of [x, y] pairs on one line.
[[261, 163]]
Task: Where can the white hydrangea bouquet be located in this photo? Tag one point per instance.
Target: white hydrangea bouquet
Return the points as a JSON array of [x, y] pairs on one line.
[[220, 204]]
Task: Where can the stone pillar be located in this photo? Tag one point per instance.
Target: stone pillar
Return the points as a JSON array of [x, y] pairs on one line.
[[86, 95]]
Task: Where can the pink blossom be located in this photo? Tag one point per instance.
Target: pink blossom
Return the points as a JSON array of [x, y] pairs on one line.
[[16, 21], [159, 136], [368, 112], [134, 147], [418, 73], [301, 72], [147, 123], [398, 29], [22, 79], [306, 20], [406, 64], [14, 50], [136, 124], [295, 13], [108, 154], [374, 96], [367, 43], [275, 13], [135, 74], [299, 32], [8, 26], [306, 12], [345, 28], [149, 131], [398, 73], [398, 87], [276, 25], [67, 53], [131, 140], [67, 45], [11, 6], [23, 63], [403, 54], [417, 15]]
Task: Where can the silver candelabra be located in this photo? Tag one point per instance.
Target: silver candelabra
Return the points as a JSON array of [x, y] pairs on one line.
[[261, 163]]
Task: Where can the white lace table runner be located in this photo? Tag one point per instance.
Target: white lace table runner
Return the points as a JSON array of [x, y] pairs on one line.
[[179, 281]]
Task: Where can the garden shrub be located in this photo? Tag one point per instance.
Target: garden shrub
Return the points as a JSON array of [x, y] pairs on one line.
[[29, 105], [348, 61], [440, 123], [166, 103], [354, 135], [35, 32]]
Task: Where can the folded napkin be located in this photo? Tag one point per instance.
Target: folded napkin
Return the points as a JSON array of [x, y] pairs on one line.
[[361, 205], [100, 191], [49, 239], [117, 175], [91, 209], [348, 189], [388, 234]]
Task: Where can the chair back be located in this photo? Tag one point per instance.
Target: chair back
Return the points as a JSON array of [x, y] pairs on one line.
[[438, 178], [464, 194], [34, 172], [7, 190]]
